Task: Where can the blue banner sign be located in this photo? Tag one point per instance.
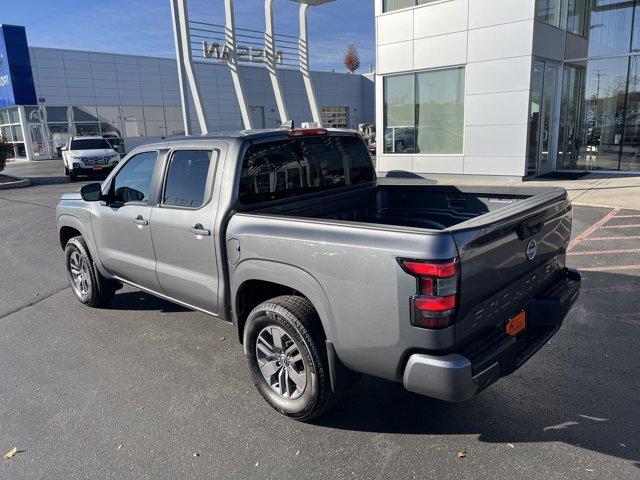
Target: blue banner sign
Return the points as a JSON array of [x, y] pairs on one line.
[[16, 77]]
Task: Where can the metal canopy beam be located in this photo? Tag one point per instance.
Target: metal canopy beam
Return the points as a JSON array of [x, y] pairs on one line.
[[304, 60], [180, 15], [230, 35], [270, 50]]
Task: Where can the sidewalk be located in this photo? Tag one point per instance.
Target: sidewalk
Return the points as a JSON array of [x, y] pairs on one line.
[[594, 190]]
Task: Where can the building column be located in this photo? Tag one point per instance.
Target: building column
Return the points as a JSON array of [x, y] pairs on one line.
[[182, 74], [230, 38], [186, 68], [26, 134], [270, 49], [304, 65]]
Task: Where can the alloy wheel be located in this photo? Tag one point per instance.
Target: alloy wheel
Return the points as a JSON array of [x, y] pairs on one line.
[[280, 362]]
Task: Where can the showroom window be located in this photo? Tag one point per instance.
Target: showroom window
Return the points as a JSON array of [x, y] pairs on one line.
[[549, 11], [11, 131], [390, 5], [424, 112], [335, 117]]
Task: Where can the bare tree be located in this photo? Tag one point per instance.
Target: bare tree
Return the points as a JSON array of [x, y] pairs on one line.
[[352, 58]]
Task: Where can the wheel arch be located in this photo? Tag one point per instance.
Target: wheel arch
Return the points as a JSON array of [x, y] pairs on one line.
[[276, 279], [70, 226]]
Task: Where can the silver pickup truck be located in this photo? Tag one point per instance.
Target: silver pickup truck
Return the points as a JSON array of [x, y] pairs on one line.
[[326, 271]]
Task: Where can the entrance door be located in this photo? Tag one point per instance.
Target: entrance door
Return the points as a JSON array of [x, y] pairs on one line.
[[37, 140], [548, 119], [543, 117], [257, 117]]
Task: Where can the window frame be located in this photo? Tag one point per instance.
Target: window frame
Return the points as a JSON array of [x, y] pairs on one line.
[[110, 184], [415, 5], [209, 185], [414, 75]]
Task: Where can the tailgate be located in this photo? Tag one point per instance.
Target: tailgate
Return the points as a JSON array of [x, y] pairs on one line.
[[507, 256]]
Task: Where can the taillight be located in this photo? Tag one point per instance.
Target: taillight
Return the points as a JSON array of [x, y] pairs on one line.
[[434, 304]]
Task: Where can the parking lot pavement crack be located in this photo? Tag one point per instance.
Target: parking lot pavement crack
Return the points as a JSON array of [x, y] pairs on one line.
[[27, 203], [32, 303]]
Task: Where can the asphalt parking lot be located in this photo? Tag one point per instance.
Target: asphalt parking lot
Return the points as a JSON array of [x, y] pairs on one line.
[[147, 389]]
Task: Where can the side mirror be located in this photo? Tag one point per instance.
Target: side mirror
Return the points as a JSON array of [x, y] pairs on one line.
[[91, 192]]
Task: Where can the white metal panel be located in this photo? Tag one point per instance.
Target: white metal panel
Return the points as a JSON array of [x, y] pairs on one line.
[[484, 13], [497, 108], [495, 140], [438, 164], [395, 57], [508, 74], [440, 18], [501, 41], [395, 27], [387, 163], [494, 165], [440, 51]]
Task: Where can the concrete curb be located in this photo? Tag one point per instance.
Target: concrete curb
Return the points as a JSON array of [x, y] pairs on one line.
[[16, 183]]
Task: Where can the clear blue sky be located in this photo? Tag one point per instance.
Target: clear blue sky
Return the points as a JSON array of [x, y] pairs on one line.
[[144, 26]]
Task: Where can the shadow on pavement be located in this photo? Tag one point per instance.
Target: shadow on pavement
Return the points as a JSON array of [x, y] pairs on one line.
[[142, 301], [583, 388]]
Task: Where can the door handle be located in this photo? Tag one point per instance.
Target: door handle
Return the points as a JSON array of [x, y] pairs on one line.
[[200, 231], [140, 221]]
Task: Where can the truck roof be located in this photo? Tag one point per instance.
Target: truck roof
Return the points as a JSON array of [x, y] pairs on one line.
[[244, 134]]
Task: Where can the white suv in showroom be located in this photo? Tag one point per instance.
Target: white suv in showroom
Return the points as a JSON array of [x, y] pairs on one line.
[[88, 156]]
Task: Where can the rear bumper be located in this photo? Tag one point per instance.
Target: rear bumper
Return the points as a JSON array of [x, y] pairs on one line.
[[459, 376]]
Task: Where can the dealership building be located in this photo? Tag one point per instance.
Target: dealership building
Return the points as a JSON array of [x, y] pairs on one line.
[[511, 88], [49, 94], [508, 87]]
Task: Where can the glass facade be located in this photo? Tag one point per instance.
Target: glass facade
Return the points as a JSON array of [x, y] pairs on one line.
[[599, 113], [50, 127], [424, 112], [11, 131]]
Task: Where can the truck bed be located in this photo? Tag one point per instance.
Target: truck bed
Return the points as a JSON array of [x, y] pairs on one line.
[[490, 226], [437, 207]]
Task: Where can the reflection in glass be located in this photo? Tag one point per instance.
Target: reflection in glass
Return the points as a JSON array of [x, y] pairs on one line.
[[630, 158], [548, 11], [440, 111], [577, 16], [87, 129], [537, 82], [609, 27], [85, 114], [57, 114], [568, 145], [598, 140], [399, 114], [397, 4]]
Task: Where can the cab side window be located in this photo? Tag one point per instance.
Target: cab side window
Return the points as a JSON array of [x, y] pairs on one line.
[[133, 181], [186, 179]]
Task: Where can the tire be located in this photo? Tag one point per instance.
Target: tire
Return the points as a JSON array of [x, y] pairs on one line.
[[89, 287], [72, 177], [66, 171], [296, 322]]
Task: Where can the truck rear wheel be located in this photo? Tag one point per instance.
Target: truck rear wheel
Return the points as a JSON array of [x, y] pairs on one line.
[[87, 284], [284, 349]]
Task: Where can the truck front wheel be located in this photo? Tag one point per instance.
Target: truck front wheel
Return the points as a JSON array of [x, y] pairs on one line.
[[284, 349], [84, 278]]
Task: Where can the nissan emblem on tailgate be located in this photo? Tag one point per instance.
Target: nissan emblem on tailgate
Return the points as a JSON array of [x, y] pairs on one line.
[[532, 249]]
